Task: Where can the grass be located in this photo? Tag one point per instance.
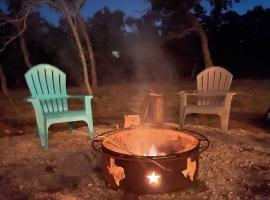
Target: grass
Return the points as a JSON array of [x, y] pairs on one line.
[[112, 102]]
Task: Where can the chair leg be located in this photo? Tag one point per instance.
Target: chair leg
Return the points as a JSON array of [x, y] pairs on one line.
[[43, 135], [70, 127], [89, 122], [46, 141], [182, 117], [224, 121]]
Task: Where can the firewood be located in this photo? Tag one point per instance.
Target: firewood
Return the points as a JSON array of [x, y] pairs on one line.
[[152, 109]]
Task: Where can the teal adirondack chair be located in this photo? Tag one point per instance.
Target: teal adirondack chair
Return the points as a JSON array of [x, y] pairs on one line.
[[47, 85]]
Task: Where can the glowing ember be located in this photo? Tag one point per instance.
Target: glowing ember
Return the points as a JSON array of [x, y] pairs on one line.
[[153, 178]]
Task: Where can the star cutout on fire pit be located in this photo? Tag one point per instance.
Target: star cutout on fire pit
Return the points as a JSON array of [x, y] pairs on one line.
[[153, 178], [190, 170], [117, 172]]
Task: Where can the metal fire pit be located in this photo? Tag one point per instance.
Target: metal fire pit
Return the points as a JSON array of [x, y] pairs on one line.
[[151, 160]]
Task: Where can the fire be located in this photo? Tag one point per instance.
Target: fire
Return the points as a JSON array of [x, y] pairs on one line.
[[153, 178], [152, 151]]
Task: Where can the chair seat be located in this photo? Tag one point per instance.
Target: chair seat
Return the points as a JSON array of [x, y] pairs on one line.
[[204, 109], [67, 116]]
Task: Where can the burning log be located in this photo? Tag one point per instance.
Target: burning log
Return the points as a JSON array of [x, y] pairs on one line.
[[152, 109]]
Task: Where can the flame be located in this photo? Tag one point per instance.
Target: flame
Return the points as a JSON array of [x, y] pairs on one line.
[[152, 151]]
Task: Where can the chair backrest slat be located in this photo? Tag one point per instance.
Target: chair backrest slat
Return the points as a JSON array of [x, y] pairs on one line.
[[43, 81], [59, 84], [36, 85], [215, 79], [46, 81], [51, 89]]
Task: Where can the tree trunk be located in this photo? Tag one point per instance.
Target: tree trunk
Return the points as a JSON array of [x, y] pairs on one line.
[[204, 41], [81, 53], [25, 52], [3, 81], [205, 49], [24, 48], [90, 51]]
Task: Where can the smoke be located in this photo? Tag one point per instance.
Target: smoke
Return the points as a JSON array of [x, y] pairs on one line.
[[150, 61]]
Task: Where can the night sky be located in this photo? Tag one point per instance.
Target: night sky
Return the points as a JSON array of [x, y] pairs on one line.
[[133, 8]]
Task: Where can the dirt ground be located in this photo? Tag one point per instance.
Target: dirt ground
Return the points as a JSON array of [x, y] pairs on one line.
[[235, 166]]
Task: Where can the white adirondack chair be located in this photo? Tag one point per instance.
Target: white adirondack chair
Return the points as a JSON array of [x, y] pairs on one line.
[[212, 96]]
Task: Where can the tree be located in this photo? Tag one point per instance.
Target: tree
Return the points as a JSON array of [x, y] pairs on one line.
[[70, 11], [3, 81], [181, 17], [15, 21], [13, 26], [241, 41]]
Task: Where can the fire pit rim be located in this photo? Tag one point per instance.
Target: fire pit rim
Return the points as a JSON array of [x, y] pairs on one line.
[[131, 157]]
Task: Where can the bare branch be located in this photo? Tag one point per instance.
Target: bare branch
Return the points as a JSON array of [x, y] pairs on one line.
[[53, 4], [16, 35], [19, 21], [9, 20]]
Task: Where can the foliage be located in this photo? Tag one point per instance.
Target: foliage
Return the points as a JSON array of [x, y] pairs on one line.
[[106, 29], [241, 42], [237, 42]]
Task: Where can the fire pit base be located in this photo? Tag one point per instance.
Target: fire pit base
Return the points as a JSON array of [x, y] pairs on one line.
[[131, 165]]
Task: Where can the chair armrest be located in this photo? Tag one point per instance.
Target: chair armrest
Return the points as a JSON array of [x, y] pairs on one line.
[[31, 99], [228, 99], [87, 101], [87, 104], [231, 93], [186, 92], [193, 93], [215, 93], [206, 93], [183, 96], [80, 96], [37, 106]]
